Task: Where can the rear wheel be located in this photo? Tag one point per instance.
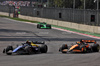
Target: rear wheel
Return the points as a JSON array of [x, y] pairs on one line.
[[95, 48], [64, 46], [37, 25], [48, 26], [44, 49]]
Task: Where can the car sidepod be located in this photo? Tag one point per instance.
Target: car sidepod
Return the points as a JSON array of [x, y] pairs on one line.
[[16, 49]]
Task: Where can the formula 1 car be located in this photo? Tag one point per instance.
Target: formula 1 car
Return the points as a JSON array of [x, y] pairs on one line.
[[84, 46], [43, 25], [29, 47]]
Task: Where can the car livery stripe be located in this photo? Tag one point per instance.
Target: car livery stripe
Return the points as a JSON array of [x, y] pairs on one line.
[[17, 48]]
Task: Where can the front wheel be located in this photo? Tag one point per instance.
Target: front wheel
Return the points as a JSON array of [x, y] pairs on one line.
[[8, 49], [64, 46]]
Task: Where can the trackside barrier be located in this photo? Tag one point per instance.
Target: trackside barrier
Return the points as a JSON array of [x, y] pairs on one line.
[[4, 13], [93, 29], [82, 27]]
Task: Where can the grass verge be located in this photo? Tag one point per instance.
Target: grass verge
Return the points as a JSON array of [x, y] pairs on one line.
[[84, 32], [19, 19]]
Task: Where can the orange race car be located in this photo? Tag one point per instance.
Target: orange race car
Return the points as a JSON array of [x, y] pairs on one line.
[[82, 46]]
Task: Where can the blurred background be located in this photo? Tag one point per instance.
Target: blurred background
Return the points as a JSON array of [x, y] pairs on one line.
[[78, 11]]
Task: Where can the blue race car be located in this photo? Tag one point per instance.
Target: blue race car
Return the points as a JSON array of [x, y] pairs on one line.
[[29, 47]]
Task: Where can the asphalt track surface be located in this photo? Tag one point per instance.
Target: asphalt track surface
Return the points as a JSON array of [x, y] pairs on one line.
[[16, 32]]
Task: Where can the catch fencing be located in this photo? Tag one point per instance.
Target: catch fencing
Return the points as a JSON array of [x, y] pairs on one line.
[[88, 17]]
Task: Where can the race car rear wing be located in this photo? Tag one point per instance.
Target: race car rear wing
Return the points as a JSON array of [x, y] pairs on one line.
[[38, 42], [89, 41]]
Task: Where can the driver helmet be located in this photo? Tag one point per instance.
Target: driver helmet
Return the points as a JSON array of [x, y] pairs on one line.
[[81, 41], [28, 42]]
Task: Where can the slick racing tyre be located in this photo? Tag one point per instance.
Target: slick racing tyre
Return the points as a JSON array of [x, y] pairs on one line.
[[8, 49], [95, 48], [48, 26], [64, 46], [44, 49], [38, 26]]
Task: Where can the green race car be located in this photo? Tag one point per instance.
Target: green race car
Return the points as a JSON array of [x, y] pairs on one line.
[[43, 25]]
